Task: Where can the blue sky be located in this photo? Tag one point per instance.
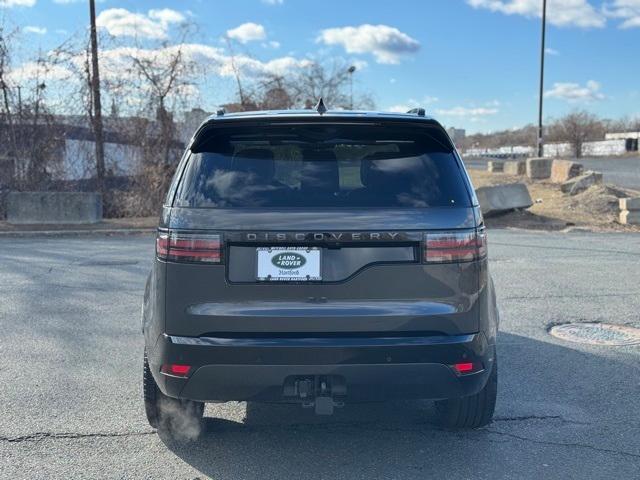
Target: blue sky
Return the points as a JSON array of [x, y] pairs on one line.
[[470, 63]]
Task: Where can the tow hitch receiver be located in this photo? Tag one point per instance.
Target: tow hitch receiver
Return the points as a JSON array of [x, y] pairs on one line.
[[321, 392]]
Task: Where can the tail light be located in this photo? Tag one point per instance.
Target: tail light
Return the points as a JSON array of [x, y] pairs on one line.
[[175, 370], [467, 367], [189, 247], [448, 247]]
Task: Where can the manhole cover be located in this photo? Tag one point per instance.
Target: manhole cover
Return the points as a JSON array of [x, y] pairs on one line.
[[597, 333]]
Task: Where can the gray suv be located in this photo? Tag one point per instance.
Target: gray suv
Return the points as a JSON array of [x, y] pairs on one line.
[[320, 258]]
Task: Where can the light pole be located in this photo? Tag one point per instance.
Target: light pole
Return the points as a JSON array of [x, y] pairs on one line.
[[19, 100], [351, 69], [544, 23], [95, 92]]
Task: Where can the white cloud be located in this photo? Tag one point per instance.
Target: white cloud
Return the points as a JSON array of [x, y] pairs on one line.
[[574, 92], [166, 16], [411, 103], [474, 112], [273, 2], [36, 30], [69, 2], [32, 71], [277, 66], [551, 51], [17, 3], [399, 108], [247, 32], [387, 44], [117, 61], [271, 44], [629, 10], [562, 13], [120, 22], [201, 62]]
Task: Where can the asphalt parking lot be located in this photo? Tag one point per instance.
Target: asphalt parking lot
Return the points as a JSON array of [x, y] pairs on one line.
[[624, 172], [70, 370]]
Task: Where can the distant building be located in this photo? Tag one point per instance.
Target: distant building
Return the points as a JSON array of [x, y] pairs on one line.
[[622, 135], [72, 152], [511, 151], [457, 135]]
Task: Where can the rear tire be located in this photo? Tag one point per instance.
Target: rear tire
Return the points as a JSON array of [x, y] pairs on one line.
[[473, 411], [180, 419]]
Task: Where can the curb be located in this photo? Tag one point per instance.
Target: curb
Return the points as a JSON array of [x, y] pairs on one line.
[[76, 233]]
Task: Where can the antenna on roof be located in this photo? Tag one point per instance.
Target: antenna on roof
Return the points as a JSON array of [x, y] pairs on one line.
[[320, 107], [417, 111], [220, 112]]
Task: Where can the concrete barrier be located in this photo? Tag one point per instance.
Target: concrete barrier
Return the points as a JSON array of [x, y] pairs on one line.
[[576, 185], [539, 168], [630, 211], [494, 166], [630, 203], [503, 198], [563, 170], [518, 167], [54, 207], [628, 217]]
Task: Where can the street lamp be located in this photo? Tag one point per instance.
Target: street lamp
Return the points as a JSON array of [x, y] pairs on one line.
[[351, 69], [544, 23]]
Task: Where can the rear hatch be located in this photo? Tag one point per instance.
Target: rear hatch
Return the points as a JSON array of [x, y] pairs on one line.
[[321, 229]]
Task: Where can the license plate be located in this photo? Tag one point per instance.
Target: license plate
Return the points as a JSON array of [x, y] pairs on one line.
[[299, 264]]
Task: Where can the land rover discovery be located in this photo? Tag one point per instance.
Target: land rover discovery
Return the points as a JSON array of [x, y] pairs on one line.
[[320, 258]]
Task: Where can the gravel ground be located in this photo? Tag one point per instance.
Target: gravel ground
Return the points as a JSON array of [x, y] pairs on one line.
[[71, 367]]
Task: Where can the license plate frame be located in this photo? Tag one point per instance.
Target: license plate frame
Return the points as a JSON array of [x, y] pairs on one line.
[[284, 264]]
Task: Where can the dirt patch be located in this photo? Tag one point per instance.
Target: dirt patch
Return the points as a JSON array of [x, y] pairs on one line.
[[595, 208]]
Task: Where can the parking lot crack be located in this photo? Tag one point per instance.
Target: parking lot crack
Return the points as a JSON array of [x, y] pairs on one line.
[[577, 295], [524, 418], [565, 444], [40, 436]]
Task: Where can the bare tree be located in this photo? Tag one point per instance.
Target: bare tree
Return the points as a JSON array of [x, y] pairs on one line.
[[9, 133], [525, 136], [316, 80], [299, 88], [245, 102], [576, 128], [275, 94], [27, 140]]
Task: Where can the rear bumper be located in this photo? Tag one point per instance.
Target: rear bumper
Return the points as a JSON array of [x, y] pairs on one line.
[[360, 368]]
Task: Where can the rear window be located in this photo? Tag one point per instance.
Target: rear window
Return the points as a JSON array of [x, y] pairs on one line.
[[323, 165]]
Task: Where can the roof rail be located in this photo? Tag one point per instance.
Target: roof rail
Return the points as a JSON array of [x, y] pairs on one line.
[[417, 111]]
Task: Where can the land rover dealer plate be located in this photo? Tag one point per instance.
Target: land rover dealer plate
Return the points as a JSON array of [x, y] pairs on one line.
[[288, 264]]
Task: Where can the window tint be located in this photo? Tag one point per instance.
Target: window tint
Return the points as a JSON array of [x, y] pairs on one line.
[[323, 165]]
